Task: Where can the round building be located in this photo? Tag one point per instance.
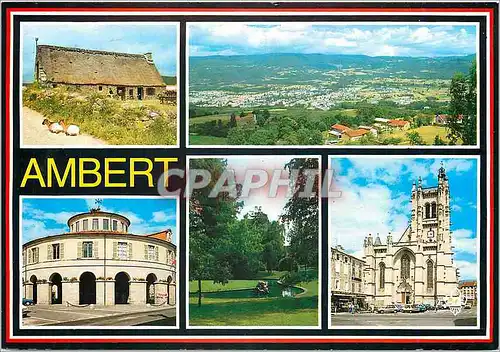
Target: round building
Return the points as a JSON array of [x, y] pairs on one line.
[[99, 262]]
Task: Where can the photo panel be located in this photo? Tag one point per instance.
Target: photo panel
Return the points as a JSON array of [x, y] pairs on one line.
[[412, 259], [254, 242], [99, 262], [99, 84], [333, 84]]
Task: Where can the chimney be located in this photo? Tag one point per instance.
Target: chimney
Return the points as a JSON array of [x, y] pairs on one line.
[[149, 57]]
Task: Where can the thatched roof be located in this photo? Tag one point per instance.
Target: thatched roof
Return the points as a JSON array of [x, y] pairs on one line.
[[82, 66]]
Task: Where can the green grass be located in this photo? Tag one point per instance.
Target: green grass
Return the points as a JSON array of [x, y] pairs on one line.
[[207, 140], [113, 121], [301, 310], [224, 117], [210, 286], [428, 134]]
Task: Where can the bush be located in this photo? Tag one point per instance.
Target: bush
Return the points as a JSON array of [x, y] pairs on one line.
[[211, 128], [104, 118], [287, 264]]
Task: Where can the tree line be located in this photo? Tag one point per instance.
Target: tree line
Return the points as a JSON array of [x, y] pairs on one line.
[[225, 246]]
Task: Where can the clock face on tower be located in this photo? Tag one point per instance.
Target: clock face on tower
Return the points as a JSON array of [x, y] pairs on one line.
[[430, 235]]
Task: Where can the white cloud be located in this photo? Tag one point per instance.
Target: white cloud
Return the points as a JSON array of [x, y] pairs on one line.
[[387, 40], [468, 270], [161, 216], [456, 207], [32, 229], [464, 241], [360, 211]]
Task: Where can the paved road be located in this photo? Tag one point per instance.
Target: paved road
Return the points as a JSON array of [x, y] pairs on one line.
[[34, 133], [430, 318], [119, 315]]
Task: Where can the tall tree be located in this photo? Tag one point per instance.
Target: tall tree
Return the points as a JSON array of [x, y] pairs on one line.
[[210, 221], [463, 101], [301, 214]]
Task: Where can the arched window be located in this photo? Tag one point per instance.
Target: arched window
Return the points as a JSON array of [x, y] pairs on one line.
[[430, 274], [427, 210], [382, 275], [405, 266], [433, 210]]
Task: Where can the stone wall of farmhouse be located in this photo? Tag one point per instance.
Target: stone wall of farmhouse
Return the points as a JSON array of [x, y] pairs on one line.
[[129, 93]]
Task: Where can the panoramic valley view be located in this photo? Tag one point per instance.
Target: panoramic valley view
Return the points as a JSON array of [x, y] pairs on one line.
[[299, 84]]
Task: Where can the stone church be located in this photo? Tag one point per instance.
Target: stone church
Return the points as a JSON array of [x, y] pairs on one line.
[[417, 267]]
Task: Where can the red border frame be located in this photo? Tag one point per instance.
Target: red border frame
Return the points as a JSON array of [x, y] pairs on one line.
[[208, 339]]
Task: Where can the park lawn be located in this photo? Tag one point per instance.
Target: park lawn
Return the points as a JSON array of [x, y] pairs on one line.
[[210, 286], [428, 134], [206, 140], [270, 311]]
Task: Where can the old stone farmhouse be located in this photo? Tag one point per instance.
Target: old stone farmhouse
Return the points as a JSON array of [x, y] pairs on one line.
[[117, 75]]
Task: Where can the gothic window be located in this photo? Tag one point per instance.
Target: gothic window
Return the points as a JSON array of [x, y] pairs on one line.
[[405, 266], [427, 210], [433, 210], [430, 274], [382, 275]]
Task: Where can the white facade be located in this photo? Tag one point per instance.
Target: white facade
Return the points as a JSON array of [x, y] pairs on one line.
[[99, 262], [418, 267]]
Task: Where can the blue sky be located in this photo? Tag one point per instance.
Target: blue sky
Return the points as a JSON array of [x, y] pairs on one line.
[[239, 38], [159, 39], [48, 216], [375, 198]]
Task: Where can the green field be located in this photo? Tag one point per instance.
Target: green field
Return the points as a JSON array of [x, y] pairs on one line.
[[223, 117], [301, 310], [428, 134], [207, 140]]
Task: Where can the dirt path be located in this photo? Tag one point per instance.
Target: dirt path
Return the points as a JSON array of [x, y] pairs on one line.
[[34, 133]]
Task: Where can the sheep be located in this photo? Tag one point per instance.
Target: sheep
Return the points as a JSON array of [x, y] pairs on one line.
[[70, 130], [53, 127]]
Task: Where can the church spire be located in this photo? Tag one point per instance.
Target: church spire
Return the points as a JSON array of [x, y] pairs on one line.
[[442, 172]]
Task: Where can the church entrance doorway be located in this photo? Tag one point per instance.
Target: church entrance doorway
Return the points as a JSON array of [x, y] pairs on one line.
[[405, 298]]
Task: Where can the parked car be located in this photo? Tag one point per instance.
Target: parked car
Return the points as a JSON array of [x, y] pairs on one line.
[[391, 308], [411, 308], [442, 306], [468, 306], [28, 302], [428, 306], [399, 307], [422, 307]]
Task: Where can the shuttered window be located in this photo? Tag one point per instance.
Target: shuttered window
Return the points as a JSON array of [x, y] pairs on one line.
[[122, 250], [105, 224], [151, 252], [95, 224], [34, 255], [54, 251], [88, 249], [85, 225]]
